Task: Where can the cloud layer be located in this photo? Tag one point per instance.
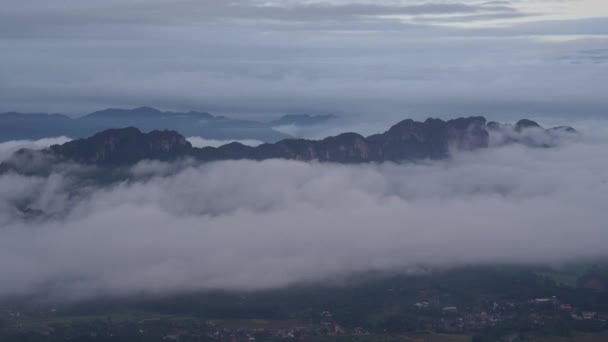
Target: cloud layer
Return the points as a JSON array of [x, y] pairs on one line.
[[253, 225]]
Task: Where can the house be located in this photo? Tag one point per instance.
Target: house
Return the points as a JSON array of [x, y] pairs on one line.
[[450, 310], [422, 305], [360, 331], [588, 314]]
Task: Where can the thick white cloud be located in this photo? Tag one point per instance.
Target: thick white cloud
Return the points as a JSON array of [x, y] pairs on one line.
[[9, 147], [251, 225]]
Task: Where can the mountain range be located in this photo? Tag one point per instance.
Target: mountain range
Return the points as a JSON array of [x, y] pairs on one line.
[[408, 140], [302, 119], [17, 126]]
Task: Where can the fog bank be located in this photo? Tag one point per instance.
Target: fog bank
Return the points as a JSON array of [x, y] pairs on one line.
[[257, 225]]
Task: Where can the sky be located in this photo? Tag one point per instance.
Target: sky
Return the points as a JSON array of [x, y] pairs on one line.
[[247, 225], [371, 60]]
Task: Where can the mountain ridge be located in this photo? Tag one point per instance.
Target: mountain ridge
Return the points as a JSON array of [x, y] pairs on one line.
[[18, 126], [302, 119], [408, 140]]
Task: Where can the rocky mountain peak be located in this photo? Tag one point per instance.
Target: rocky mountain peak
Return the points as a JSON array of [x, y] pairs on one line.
[[124, 146], [525, 123]]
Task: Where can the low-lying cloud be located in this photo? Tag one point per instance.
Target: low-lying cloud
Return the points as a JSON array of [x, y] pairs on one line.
[[10, 147], [256, 225]]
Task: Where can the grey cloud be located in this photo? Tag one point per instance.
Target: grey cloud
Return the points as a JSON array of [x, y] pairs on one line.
[[78, 57], [471, 18], [566, 27], [596, 56], [187, 11], [114, 21]]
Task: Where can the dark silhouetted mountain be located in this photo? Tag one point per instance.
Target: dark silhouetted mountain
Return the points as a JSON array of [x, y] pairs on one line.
[[408, 140], [411, 140], [188, 124], [124, 146], [16, 126], [525, 124], [302, 120]]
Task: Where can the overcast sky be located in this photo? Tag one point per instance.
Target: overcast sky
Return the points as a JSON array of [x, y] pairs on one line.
[[257, 58]]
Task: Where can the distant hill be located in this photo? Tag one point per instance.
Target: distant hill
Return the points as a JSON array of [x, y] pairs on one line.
[[17, 126], [302, 120]]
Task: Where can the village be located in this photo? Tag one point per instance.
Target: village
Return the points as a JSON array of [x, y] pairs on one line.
[[430, 317]]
